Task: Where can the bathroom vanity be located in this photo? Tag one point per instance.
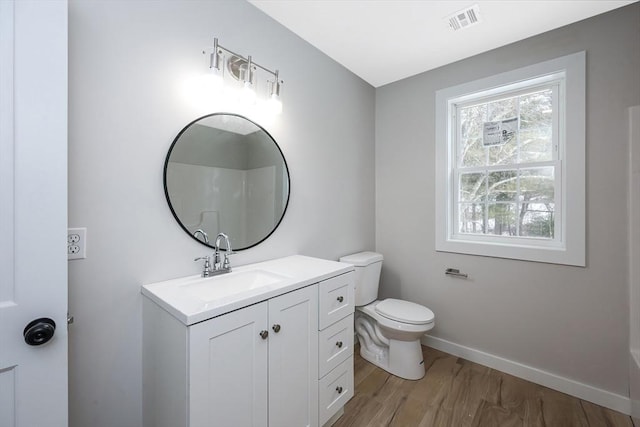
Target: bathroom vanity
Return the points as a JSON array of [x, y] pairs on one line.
[[269, 344]]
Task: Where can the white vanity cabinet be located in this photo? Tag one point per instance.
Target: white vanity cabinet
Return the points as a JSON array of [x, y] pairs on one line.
[[240, 371], [257, 364], [274, 361]]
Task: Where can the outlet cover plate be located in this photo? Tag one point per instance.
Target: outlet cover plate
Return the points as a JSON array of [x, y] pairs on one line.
[[76, 243]]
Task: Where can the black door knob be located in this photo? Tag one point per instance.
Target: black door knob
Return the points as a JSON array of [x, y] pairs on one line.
[[40, 331]]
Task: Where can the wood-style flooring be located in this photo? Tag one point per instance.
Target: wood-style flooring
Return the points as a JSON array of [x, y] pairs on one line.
[[456, 392]]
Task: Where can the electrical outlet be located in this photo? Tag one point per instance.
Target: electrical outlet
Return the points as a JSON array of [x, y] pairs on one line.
[[77, 243]]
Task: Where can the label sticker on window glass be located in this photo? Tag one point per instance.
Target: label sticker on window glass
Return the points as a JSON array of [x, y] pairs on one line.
[[500, 132]]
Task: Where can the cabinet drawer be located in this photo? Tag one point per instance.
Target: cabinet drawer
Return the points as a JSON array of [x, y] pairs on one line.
[[335, 344], [336, 388], [336, 299]]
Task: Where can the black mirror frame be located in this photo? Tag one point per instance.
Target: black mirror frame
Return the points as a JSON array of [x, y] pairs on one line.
[[166, 190]]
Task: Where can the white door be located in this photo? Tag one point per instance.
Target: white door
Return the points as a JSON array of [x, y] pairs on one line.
[[293, 359], [33, 212]]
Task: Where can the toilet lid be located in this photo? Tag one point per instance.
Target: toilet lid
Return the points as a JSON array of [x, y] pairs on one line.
[[404, 311]]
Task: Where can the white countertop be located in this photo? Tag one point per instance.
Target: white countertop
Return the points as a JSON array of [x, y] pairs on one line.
[[194, 299]]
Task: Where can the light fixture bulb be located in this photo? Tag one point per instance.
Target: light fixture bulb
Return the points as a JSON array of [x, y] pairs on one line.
[[274, 104], [213, 80], [248, 94]]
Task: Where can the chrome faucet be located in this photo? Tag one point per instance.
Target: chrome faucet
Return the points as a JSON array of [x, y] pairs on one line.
[[203, 233], [225, 266], [217, 267], [206, 271]]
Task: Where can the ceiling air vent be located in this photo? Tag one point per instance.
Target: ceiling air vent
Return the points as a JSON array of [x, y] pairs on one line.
[[465, 18]]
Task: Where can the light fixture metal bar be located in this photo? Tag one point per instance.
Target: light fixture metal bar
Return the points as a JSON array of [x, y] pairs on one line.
[[217, 46]]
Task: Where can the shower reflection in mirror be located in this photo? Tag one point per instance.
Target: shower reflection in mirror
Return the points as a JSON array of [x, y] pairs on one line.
[[225, 173]]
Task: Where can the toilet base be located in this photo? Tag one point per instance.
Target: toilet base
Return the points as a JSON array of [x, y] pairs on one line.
[[402, 358]]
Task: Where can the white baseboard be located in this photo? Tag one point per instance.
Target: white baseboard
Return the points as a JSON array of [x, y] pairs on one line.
[[634, 385], [582, 391]]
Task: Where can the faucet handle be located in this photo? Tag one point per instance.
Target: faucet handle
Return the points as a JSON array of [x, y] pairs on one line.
[[227, 264], [207, 265]]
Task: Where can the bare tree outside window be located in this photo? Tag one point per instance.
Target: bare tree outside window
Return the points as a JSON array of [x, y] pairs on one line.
[[507, 188]]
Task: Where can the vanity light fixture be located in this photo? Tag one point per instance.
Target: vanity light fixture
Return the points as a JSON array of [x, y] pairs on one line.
[[275, 104], [248, 95], [244, 70], [215, 73]]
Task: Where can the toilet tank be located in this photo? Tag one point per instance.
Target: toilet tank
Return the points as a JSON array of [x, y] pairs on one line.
[[367, 266]]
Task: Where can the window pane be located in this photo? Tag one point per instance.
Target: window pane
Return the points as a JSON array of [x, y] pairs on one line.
[[472, 187], [536, 110], [504, 154], [537, 185], [537, 220], [471, 218], [503, 186], [501, 219], [501, 192], [472, 153], [536, 145], [504, 113], [502, 109], [471, 120]]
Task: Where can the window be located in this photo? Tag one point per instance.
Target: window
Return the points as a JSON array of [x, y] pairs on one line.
[[506, 167], [510, 164]]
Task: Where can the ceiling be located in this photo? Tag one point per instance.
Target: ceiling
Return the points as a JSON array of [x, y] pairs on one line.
[[383, 41]]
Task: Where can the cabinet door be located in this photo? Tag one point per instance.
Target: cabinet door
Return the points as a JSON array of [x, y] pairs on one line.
[[293, 359], [228, 370]]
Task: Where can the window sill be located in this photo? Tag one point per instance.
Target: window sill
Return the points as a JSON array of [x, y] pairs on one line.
[[519, 251]]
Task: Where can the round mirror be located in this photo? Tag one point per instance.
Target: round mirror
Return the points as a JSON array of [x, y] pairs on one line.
[[226, 174]]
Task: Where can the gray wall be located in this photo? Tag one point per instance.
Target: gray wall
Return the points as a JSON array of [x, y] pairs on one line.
[[569, 321], [127, 63]]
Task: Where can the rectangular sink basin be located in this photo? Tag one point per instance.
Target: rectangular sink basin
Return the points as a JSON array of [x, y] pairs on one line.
[[216, 287]]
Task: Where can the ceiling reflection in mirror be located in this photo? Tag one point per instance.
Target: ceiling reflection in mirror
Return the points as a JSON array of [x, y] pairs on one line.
[[226, 174]]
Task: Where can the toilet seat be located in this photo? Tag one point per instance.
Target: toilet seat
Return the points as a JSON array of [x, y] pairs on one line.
[[394, 325], [404, 311]]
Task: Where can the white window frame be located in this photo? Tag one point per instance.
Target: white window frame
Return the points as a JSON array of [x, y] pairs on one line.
[[568, 245]]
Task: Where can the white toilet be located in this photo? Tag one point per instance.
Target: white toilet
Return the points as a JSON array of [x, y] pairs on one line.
[[389, 331]]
